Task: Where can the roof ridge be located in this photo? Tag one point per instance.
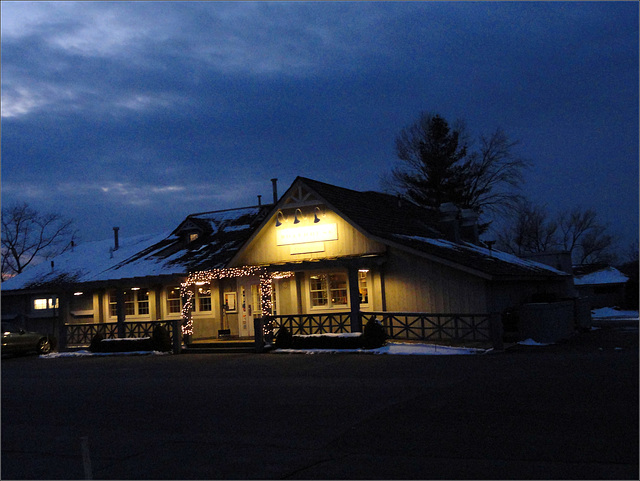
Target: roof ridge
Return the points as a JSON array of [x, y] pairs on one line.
[[228, 210], [362, 192]]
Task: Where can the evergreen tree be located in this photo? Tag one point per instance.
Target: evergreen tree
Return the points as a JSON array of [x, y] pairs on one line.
[[432, 153]]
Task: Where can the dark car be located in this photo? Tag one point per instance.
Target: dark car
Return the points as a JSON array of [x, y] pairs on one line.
[[16, 340]]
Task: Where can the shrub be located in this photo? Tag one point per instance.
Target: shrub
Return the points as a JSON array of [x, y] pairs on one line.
[[95, 343], [100, 344], [161, 340], [284, 339], [374, 335]]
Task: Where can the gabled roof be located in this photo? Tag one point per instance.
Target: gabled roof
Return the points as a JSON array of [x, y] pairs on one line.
[[222, 233], [400, 223]]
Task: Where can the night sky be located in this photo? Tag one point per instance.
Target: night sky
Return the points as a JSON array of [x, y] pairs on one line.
[[138, 114]]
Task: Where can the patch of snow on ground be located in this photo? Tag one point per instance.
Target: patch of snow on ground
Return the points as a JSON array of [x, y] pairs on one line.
[[612, 313], [396, 348], [84, 353], [531, 342]]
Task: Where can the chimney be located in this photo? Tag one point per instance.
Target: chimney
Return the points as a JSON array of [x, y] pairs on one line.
[[116, 244], [469, 226], [275, 190], [448, 222], [259, 200]]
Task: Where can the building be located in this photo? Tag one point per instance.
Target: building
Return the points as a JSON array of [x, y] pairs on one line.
[[603, 285], [319, 250]]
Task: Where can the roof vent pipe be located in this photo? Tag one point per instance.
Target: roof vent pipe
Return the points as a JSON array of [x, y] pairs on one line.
[[116, 244], [275, 190], [259, 200]]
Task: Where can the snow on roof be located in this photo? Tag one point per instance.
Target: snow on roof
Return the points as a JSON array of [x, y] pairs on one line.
[[486, 254], [86, 262], [608, 275]]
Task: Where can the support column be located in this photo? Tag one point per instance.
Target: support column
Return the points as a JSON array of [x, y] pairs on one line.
[[354, 299], [120, 311], [298, 277], [63, 318]]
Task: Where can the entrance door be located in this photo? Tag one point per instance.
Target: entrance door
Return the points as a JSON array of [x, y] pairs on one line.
[[250, 306]]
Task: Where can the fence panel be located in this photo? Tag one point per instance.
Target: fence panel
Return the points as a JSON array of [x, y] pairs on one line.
[[80, 335], [321, 323], [432, 327], [415, 326]]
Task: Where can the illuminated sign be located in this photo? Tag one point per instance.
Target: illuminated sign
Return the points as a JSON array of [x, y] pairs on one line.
[[303, 235]]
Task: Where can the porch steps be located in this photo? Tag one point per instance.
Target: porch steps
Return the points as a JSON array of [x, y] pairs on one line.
[[220, 347]]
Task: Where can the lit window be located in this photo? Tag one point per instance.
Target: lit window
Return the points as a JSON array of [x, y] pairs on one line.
[[338, 289], [143, 302], [136, 303], [328, 290], [318, 289], [113, 305], [47, 303], [129, 303], [193, 237], [174, 303], [204, 299], [362, 285]]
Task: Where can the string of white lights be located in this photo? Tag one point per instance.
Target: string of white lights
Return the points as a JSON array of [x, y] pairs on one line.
[[187, 289]]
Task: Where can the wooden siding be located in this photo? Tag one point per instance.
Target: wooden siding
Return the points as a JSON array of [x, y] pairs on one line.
[[507, 295], [419, 285], [263, 249]]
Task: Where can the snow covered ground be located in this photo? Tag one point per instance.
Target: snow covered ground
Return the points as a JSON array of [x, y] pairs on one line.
[[85, 353], [399, 348], [613, 313]]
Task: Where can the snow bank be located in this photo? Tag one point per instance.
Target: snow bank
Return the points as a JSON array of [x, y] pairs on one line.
[[531, 342], [84, 353], [613, 313], [394, 348]]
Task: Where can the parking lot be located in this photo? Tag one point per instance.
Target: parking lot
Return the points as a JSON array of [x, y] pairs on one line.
[[567, 411]]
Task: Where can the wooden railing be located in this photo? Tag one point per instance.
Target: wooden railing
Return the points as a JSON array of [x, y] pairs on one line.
[[433, 327], [320, 323], [80, 335], [418, 326]]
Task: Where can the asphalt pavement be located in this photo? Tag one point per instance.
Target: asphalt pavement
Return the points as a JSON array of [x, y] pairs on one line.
[[566, 411]]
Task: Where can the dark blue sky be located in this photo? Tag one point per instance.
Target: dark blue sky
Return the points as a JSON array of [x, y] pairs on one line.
[[137, 114]]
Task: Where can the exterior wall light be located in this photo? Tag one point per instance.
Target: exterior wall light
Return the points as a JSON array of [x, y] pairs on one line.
[[316, 213], [280, 218], [298, 216]]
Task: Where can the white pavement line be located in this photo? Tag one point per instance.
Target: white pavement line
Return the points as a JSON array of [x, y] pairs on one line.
[[86, 458]]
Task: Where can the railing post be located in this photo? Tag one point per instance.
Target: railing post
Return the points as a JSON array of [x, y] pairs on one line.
[[354, 298], [496, 331], [176, 326], [121, 313], [258, 331]]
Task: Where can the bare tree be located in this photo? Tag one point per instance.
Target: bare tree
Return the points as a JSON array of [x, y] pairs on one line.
[[532, 230], [577, 231], [493, 175], [28, 237]]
